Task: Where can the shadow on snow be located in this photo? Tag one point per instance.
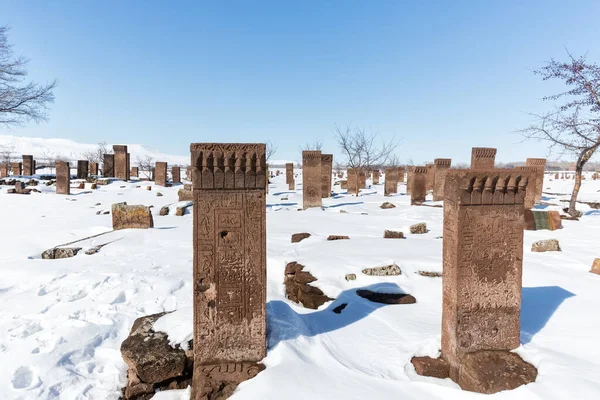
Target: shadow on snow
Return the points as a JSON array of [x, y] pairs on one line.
[[538, 304]]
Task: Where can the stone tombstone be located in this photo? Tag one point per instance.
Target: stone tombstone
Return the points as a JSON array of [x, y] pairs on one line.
[[572, 167], [352, 185], [311, 178], [483, 158], [63, 177], [176, 174], [94, 168], [401, 172], [121, 164], [289, 172], [362, 179], [376, 177], [160, 173], [3, 170], [17, 168], [391, 180], [532, 177], [292, 184], [108, 166], [540, 165], [440, 168], [83, 167], [326, 173], [28, 165], [135, 172], [482, 262], [229, 265], [188, 172], [556, 175], [430, 176], [418, 184]]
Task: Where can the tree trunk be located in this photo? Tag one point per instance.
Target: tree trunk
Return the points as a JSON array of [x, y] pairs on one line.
[[581, 161]]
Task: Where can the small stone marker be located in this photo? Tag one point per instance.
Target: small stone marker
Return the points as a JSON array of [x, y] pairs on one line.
[[131, 217], [386, 270], [418, 229], [229, 184], [299, 291], [326, 171], [337, 237], [289, 173], [160, 173], [393, 235], [298, 237], [483, 158], [311, 178], [63, 177]]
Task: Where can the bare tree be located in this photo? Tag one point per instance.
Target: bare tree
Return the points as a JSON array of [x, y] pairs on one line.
[[97, 155], [20, 100], [363, 150], [145, 165], [7, 152], [573, 126], [316, 145], [271, 149]]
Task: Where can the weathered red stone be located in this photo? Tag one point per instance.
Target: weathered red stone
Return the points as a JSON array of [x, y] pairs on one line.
[[311, 178], [17, 168], [440, 168], [121, 162], [326, 171], [28, 165], [82, 169], [539, 164], [391, 180], [483, 158], [417, 182], [63, 177], [160, 173], [176, 174], [108, 166]]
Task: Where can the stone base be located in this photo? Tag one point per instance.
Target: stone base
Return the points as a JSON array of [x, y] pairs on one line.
[[485, 371], [219, 381]]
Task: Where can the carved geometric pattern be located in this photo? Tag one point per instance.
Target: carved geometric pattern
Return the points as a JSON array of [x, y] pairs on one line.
[[483, 158]]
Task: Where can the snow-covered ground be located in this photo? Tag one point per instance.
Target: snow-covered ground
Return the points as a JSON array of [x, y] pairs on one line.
[[62, 321]]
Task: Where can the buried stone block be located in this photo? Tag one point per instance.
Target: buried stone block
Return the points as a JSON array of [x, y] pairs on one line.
[[386, 270], [386, 298], [299, 291], [596, 266], [418, 229], [542, 246], [131, 217], [60, 252], [298, 237], [229, 185], [387, 234]]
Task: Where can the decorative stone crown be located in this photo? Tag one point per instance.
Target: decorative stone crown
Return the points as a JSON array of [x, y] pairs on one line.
[[536, 162], [419, 170], [218, 166], [327, 157], [488, 187], [311, 155], [118, 148], [483, 152], [442, 162]]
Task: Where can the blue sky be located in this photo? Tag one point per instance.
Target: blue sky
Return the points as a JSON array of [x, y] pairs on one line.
[[441, 76]]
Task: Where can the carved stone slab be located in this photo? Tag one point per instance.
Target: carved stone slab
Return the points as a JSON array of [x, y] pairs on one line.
[[430, 176], [540, 165], [17, 168], [82, 169], [93, 168], [418, 184], [391, 180], [440, 168], [108, 166], [289, 172], [326, 171], [63, 177], [482, 256], [483, 158], [311, 178], [121, 163], [160, 173], [176, 174], [28, 165]]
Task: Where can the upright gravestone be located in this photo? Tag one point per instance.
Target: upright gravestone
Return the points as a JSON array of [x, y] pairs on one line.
[[311, 178], [17, 168], [176, 174], [418, 184], [391, 181], [160, 173], [121, 165], [440, 168], [352, 181], [63, 177], [82, 169], [376, 177], [108, 166], [135, 172], [93, 168], [362, 178], [540, 165], [326, 171], [3, 170], [430, 176], [28, 165], [229, 266], [483, 158], [532, 176], [572, 167], [401, 172], [482, 255], [289, 172]]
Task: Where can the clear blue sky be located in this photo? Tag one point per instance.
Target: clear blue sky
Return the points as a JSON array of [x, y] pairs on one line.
[[441, 75]]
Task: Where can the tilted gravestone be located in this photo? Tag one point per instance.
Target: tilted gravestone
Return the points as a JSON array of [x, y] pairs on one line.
[[440, 168], [176, 174], [82, 169], [326, 171], [121, 162], [108, 166], [63, 177], [160, 173], [28, 165], [229, 266], [483, 158], [540, 165], [418, 184], [311, 178]]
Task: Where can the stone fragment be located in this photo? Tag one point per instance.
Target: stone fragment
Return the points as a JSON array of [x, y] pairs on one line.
[[418, 229], [164, 211], [545, 245], [387, 205], [596, 266], [393, 235], [149, 354], [131, 217], [387, 270], [185, 195], [298, 237], [430, 274], [60, 252], [180, 211], [492, 371], [434, 367], [337, 237], [299, 291], [350, 277], [159, 194], [386, 298]]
